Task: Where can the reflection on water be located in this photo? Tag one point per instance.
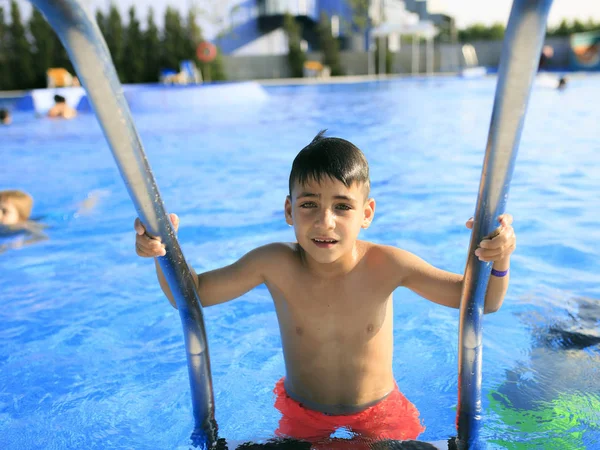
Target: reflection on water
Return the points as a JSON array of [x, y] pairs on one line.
[[92, 356], [552, 401]]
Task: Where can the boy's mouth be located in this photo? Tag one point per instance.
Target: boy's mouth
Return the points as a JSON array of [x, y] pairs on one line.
[[324, 242]]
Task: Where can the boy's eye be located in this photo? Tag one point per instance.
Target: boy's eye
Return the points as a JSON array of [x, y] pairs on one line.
[[308, 205], [344, 207]]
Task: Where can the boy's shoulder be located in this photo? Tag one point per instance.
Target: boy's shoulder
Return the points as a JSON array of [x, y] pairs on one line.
[[275, 258], [276, 251], [279, 247], [382, 256], [372, 249]]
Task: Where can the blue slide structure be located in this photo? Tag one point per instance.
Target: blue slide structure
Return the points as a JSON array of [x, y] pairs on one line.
[[252, 19]]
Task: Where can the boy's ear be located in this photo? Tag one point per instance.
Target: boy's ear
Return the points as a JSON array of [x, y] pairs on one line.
[[369, 212], [287, 208]]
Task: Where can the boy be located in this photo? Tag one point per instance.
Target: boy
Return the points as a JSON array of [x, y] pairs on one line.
[[333, 298], [61, 109]]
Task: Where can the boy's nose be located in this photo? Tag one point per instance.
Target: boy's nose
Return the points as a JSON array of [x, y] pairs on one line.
[[326, 219]]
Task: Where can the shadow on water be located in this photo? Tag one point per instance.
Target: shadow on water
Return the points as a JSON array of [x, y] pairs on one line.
[[552, 400]]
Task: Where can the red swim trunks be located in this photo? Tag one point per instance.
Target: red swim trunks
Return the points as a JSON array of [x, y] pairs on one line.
[[395, 417]]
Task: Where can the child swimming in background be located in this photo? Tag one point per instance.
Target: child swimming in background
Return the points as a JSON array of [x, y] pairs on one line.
[[15, 212], [333, 298], [61, 109], [5, 117], [16, 223], [15, 208]]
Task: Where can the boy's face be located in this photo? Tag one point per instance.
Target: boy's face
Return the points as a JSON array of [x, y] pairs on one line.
[[328, 216], [8, 213]]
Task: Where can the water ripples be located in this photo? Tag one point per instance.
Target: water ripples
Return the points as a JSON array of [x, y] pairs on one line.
[[92, 355]]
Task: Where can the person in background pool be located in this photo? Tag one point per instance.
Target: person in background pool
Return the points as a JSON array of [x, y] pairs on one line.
[[61, 109], [333, 298], [15, 207], [5, 118], [545, 56], [15, 212], [562, 83]]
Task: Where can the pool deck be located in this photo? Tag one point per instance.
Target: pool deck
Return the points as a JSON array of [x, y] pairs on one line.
[[348, 79], [12, 94], [345, 79]]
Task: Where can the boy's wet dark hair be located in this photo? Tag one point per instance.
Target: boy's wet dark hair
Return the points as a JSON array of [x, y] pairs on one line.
[[3, 114], [59, 98], [330, 157]]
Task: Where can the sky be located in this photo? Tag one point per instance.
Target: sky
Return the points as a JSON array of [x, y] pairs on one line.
[[466, 12]]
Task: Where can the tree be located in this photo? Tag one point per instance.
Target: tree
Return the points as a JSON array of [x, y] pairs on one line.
[[113, 33], [194, 33], [565, 28], [5, 78], [173, 40], [151, 50], [211, 71], [101, 21], [133, 58], [578, 27], [360, 13], [496, 32], [329, 45], [60, 57], [480, 32], [221, 15], [388, 55], [20, 61], [361, 21], [217, 71], [44, 43], [296, 56]]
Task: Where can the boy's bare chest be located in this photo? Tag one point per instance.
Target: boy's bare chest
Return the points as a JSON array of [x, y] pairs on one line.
[[336, 308], [341, 292]]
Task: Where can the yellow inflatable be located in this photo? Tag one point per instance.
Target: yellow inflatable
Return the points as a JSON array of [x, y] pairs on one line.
[[60, 77]]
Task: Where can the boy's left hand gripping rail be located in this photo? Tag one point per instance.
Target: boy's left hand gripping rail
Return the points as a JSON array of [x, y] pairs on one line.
[[91, 58]]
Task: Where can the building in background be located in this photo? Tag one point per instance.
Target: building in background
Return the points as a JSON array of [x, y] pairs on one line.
[[443, 22], [255, 27]]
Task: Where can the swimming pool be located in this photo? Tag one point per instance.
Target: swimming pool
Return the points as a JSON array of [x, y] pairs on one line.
[[92, 354]]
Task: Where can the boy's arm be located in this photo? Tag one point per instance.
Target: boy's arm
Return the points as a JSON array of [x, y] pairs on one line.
[[220, 285], [229, 282], [232, 281], [436, 285], [445, 287], [497, 286]]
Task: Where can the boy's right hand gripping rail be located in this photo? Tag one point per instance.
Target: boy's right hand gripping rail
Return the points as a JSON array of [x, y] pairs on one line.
[[90, 56], [518, 65]]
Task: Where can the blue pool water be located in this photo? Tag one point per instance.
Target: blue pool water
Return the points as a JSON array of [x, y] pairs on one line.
[[91, 353]]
